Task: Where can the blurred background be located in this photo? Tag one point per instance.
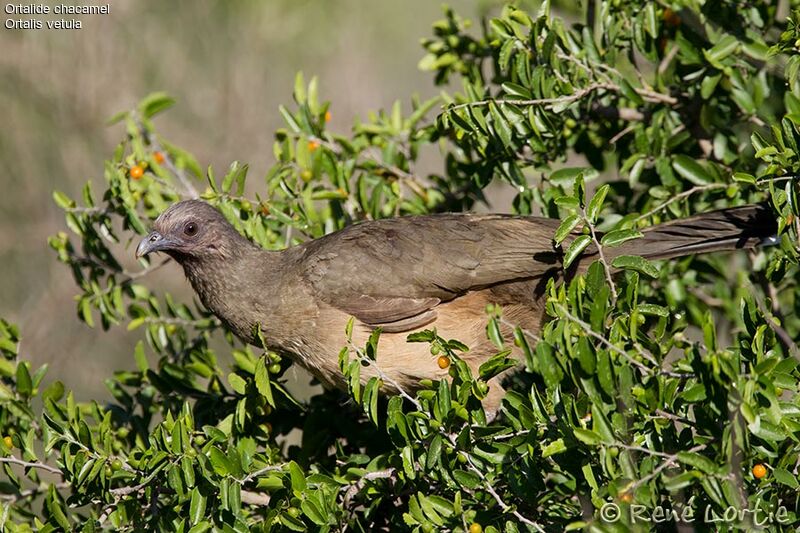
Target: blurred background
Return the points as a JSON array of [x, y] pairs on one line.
[[229, 64]]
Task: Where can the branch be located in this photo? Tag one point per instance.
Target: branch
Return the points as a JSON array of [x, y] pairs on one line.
[[588, 329], [602, 257], [670, 460], [177, 172], [577, 95], [680, 196], [383, 376], [490, 489], [259, 472], [353, 489], [41, 466]]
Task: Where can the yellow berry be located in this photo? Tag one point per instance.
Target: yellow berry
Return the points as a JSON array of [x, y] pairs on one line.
[[475, 528], [759, 471], [8, 441]]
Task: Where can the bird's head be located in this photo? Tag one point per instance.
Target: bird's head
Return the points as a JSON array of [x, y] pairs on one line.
[[192, 229]]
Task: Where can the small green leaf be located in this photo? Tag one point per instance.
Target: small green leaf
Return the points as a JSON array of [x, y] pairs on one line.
[[263, 384], [637, 263], [701, 462], [596, 203], [587, 436], [575, 248], [155, 103], [566, 227], [691, 170], [468, 480], [785, 477], [618, 236]]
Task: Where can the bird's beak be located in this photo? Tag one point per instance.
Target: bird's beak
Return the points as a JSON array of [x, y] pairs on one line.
[[155, 242]]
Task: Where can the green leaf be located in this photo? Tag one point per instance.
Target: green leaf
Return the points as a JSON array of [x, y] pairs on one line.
[[468, 480], [619, 236], [691, 170], [155, 103], [220, 462], [297, 476], [701, 462], [744, 178], [311, 510], [500, 125], [263, 384], [695, 393], [575, 248], [140, 357], [24, 383], [587, 436], [566, 176], [566, 227], [722, 49], [553, 448], [434, 452], [637, 263], [596, 203], [784, 477], [62, 200]]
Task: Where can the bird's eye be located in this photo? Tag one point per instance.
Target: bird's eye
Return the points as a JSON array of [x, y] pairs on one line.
[[190, 229]]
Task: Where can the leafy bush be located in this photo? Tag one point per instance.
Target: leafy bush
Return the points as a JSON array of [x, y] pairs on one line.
[[670, 385]]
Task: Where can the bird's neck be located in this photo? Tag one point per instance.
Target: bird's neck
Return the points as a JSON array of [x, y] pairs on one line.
[[231, 286]]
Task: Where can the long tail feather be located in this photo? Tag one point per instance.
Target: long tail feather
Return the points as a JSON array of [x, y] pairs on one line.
[[727, 229]]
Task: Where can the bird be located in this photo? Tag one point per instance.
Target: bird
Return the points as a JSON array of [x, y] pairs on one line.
[[404, 275]]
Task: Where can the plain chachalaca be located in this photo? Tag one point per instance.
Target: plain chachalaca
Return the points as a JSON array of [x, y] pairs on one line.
[[403, 275]]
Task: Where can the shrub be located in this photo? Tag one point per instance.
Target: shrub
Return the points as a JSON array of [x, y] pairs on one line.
[[669, 386]]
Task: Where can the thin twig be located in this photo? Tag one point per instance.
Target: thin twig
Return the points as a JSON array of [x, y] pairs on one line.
[[670, 460], [577, 95], [27, 464], [588, 329], [383, 376], [259, 472], [490, 489], [602, 257], [680, 196]]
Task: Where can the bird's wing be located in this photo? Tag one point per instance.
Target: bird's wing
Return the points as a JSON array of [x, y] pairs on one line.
[[393, 273]]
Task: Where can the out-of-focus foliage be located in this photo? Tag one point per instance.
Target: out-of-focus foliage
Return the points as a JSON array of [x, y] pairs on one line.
[[660, 386]]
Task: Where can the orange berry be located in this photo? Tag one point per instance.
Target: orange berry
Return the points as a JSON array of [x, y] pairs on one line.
[[626, 497], [158, 157], [8, 441], [136, 172], [312, 145], [327, 116], [475, 528], [759, 471], [443, 362]]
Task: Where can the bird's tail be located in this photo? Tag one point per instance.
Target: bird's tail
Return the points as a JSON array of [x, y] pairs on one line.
[[734, 228]]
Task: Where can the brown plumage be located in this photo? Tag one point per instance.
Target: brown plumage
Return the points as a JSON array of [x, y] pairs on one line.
[[403, 275]]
